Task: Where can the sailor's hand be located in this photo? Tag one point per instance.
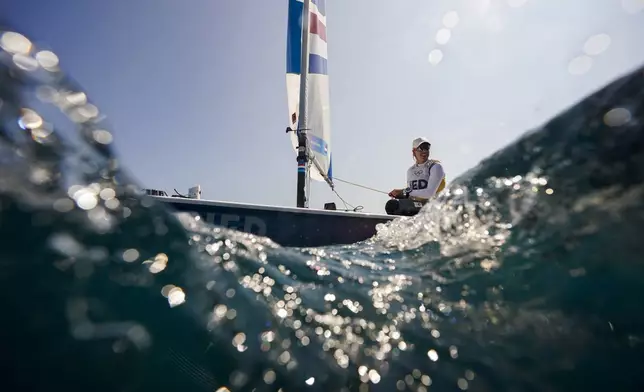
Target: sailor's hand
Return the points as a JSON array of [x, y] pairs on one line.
[[395, 193]]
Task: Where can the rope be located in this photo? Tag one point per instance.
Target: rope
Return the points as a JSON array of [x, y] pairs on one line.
[[360, 186], [348, 206]]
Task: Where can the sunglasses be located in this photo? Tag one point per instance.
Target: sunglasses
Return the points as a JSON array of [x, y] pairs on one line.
[[424, 147]]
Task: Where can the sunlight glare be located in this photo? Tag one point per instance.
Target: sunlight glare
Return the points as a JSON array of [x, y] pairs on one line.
[[580, 65], [451, 19], [633, 6], [443, 36], [435, 56], [597, 44], [484, 6], [494, 23], [516, 3]]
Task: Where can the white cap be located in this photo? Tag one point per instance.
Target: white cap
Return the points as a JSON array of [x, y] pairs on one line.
[[418, 141]]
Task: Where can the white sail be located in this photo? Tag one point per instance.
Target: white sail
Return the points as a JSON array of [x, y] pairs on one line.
[[317, 104]]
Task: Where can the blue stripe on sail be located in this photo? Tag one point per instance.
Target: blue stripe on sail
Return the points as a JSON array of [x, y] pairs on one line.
[[319, 145], [317, 63], [321, 4], [294, 37], [330, 172]]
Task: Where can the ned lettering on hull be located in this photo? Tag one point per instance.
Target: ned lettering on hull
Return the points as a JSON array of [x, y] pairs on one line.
[[247, 223]]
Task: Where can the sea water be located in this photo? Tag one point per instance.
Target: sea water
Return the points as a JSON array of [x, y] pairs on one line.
[[526, 274]]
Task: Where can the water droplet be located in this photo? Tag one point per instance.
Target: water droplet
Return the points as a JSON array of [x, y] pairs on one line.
[[157, 266], [41, 133], [63, 205], [112, 204], [78, 98], [239, 339], [25, 62], [65, 244], [165, 290], [130, 255], [269, 377], [374, 376], [176, 297], [85, 199], [30, 119], [39, 175], [102, 136], [47, 59], [15, 43], [617, 117], [83, 113], [238, 379], [107, 193]]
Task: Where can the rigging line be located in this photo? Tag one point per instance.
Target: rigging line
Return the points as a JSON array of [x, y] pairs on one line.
[[347, 206], [360, 186]]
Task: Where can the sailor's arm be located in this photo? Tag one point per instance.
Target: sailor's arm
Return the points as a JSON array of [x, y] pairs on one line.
[[436, 175], [396, 193]]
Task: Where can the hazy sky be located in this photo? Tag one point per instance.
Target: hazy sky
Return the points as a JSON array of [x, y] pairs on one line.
[[195, 89]]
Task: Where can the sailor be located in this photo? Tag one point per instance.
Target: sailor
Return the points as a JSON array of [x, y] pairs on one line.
[[425, 178]]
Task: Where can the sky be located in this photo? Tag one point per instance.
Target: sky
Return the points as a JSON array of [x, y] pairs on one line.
[[195, 90]]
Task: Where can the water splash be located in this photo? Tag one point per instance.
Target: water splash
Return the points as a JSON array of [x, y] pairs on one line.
[[524, 275]]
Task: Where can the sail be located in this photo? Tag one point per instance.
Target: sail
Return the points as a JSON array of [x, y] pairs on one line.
[[317, 105]]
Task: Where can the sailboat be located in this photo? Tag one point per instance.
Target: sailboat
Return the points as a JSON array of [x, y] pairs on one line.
[[307, 84]]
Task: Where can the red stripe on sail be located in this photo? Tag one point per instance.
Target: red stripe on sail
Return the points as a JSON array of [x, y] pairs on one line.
[[317, 27]]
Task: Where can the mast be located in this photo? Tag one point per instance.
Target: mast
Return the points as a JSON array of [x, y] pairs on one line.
[[303, 166]]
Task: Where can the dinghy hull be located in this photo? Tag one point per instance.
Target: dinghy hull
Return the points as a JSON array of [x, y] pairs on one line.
[[290, 227]]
